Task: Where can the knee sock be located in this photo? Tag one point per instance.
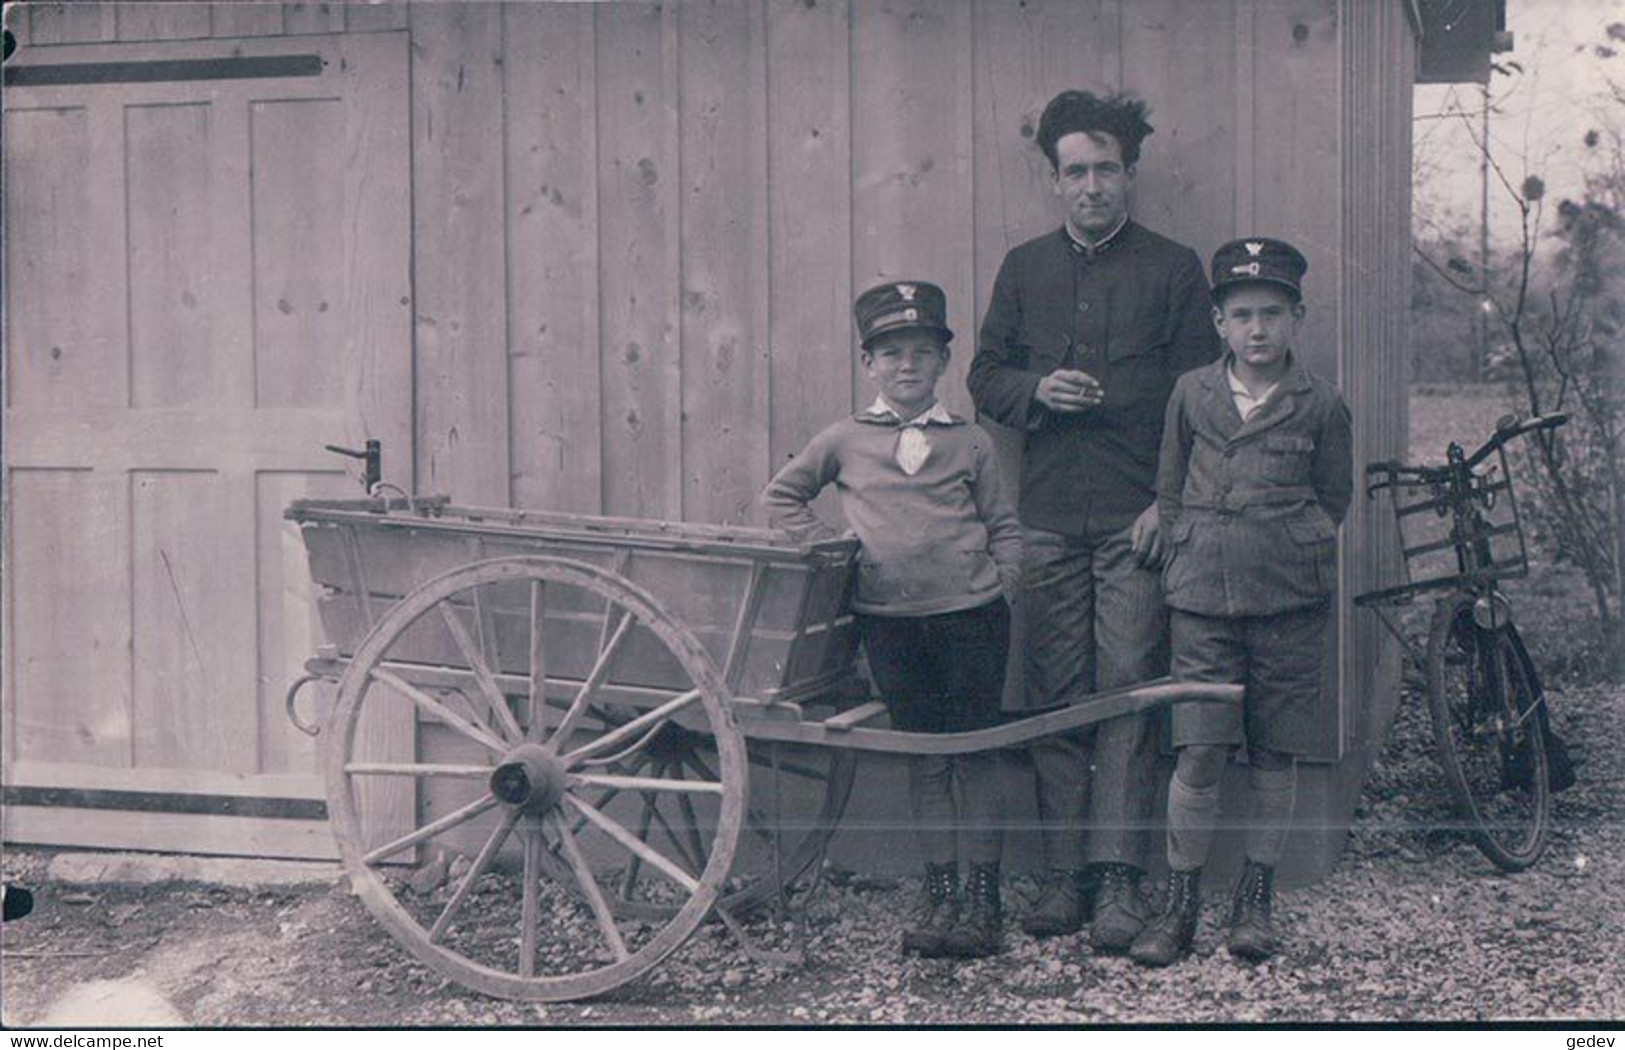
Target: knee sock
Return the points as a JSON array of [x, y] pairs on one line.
[[1273, 792], [1193, 813]]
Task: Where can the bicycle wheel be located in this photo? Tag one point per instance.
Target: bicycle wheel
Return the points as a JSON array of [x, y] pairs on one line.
[[1488, 734]]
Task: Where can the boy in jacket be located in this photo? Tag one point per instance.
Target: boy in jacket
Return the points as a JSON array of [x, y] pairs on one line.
[[1256, 472]]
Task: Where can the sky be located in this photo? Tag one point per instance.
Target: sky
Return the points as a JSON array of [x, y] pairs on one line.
[[1538, 116]]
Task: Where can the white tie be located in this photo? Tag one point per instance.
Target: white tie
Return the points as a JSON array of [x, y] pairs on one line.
[[913, 448]]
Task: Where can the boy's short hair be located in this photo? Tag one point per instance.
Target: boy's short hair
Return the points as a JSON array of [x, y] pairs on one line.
[[1122, 116]]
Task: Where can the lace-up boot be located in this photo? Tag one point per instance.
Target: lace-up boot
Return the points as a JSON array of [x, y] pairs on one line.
[[1252, 931], [935, 912], [1120, 912], [981, 921], [1168, 938], [1066, 903]]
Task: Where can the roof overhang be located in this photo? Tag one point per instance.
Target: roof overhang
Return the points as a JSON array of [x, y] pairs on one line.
[[1455, 38]]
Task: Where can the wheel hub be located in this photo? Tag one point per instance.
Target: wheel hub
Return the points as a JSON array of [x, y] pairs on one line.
[[529, 778]]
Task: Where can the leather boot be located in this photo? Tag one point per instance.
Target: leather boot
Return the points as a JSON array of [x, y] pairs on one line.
[[1066, 903], [936, 912], [1252, 932], [981, 921], [1120, 912], [1168, 938]]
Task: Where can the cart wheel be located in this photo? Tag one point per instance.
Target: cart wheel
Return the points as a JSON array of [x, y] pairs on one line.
[[483, 717], [796, 800]]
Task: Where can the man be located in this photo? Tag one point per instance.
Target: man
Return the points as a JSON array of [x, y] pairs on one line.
[[1088, 328]]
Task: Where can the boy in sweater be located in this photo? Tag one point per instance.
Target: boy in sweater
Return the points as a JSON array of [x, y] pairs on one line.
[[1256, 473], [940, 558]]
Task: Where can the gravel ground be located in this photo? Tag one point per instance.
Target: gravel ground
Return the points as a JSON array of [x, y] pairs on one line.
[[1412, 925]]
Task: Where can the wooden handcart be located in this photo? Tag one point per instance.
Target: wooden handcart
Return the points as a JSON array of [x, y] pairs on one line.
[[560, 742]]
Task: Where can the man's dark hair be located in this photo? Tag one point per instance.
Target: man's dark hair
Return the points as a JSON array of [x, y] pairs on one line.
[[1120, 116]]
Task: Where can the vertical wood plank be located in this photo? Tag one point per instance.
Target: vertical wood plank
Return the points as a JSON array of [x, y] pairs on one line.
[[61, 350], [1297, 160], [638, 228], [298, 161], [174, 357], [375, 314], [375, 15], [810, 210], [723, 234], [315, 17], [1027, 51], [911, 161], [192, 693], [68, 627], [553, 256], [458, 218], [71, 23], [162, 20], [251, 18], [1185, 68]]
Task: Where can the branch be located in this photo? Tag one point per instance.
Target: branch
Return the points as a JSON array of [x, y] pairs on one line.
[[1448, 277]]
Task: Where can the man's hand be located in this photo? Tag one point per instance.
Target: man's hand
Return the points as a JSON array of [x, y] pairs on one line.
[[1067, 391], [1146, 539]]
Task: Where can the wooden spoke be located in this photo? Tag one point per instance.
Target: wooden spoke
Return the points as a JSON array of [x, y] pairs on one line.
[[589, 886], [482, 861], [691, 820], [433, 828], [694, 863], [633, 728], [416, 769], [700, 787], [634, 865], [536, 704], [650, 855], [482, 671], [439, 710], [589, 685], [528, 909]]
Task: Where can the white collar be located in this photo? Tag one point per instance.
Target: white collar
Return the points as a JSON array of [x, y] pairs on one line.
[[935, 414]]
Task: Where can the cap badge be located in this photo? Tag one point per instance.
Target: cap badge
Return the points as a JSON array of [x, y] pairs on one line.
[[911, 314], [907, 292], [1255, 247], [1250, 269]]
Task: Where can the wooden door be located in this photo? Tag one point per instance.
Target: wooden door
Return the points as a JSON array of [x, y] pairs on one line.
[[207, 249]]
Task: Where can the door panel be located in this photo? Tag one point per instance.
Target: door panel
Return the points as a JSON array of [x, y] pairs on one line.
[[209, 279]]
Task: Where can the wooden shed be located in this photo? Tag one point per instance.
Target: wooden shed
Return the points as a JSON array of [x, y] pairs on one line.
[[585, 257]]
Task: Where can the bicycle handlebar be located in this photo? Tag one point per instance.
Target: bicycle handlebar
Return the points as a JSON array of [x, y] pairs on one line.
[[1508, 428], [1511, 427]]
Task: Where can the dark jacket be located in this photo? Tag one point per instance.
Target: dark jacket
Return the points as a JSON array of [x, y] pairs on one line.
[[1134, 314], [1251, 508]]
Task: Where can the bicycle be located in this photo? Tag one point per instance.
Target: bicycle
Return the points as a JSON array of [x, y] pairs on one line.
[[1492, 733]]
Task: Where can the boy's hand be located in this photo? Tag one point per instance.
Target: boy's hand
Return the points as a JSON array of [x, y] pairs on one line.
[[1146, 539], [1067, 390]]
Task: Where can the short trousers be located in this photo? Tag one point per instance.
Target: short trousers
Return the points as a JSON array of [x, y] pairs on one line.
[[1278, 659], [943, 673]]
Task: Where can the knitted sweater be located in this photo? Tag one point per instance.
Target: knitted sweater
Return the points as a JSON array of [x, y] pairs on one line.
[[937, 541]]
